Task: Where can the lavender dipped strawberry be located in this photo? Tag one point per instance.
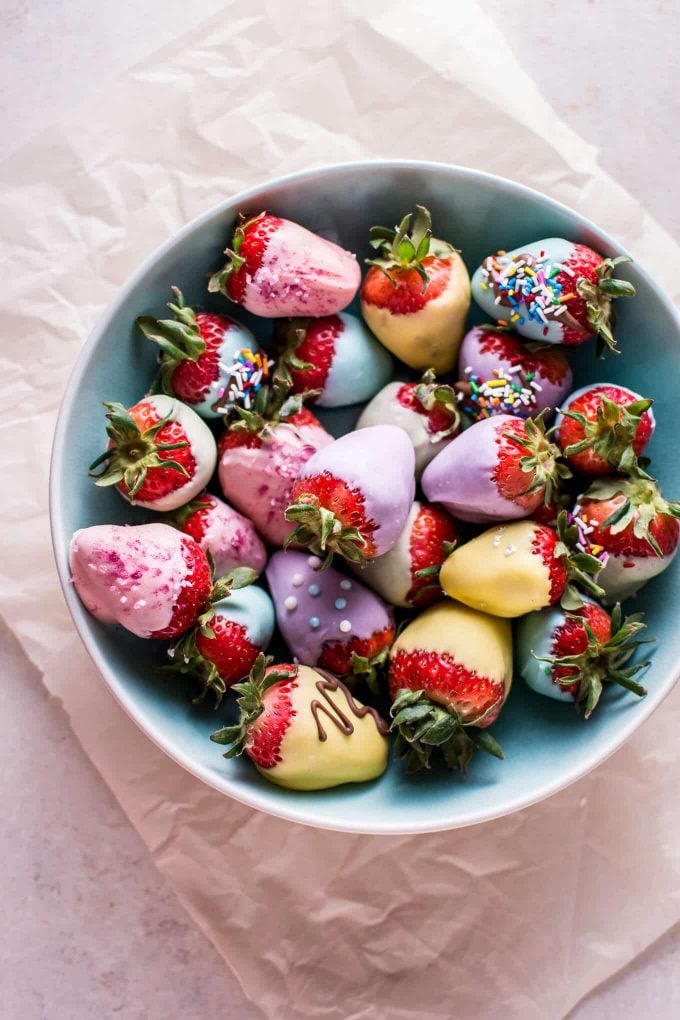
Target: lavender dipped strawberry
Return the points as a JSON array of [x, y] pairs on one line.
[[200, 355], [407, 575], [276, 268], [499, 375], [499, 469], [555, 291], [328, 619], [353, 497], [573, 656], [336, 356], [603, 428], [223, 532], [427, 411]]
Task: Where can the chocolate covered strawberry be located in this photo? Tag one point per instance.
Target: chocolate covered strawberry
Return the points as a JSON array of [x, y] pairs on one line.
[[427, 411], [276, 268], [227, 535], [328, 619], [353, 497], [335, 356], [150, 578], [408, 574], [200, 355], [219, 653], [498, 469], [575, 656], [450, 673], [554, 290], [261, 454], [499, 375], [629, 519], [303, 729], [517, 568], [603, 428], [160, 453], [416, 294]]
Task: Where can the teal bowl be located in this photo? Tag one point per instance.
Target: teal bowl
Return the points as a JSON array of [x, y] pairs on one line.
[[547, 746]]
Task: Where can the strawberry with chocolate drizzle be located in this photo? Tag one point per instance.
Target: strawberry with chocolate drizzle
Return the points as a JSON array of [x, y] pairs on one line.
[[555, 291], [519, 567], [353, 497], [199, 355], [223, 532], [328, 619], [407, 575], [629, 520], [160, 453], [336, 356], [500, 375], [427, 411], [276, 268], [499, 469], [574, 656], [603, 428], [449, 675], [303, 729]]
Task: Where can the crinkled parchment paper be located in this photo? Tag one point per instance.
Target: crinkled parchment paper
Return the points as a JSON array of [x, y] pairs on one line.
[[517, 918]]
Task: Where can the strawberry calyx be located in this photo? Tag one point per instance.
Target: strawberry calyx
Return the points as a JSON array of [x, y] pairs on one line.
[[542, 459], [601, 663], [433, 395], [599, 296], [368, 669], [400, 250], [323, 532], [290, 335], [182, 515], [132, 452], [250, 702], [422, 726], [612, 434], [581, 565], [273, 403], [642, 504], [179, 339], [218, 282]]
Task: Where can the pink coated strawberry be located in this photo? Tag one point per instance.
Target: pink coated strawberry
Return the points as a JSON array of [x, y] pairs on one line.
[[277, 268], [450, 673], [304, 730], [603, 428], [227, 535], [160, 453]]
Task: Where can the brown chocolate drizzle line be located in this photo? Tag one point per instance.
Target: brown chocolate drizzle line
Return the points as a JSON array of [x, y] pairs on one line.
[[334, 713]]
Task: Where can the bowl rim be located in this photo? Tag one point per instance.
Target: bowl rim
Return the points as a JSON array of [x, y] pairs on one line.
[[255, 797]]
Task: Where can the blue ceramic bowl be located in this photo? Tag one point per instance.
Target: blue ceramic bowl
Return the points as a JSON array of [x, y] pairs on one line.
[[546, 745]]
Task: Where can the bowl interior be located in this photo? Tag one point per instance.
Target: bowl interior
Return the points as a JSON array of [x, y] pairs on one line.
[[546, 747]]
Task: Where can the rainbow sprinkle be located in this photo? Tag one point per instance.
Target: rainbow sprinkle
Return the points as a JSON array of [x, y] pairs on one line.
[[249, 372], [584, 529], [505, 393], [528, 285]]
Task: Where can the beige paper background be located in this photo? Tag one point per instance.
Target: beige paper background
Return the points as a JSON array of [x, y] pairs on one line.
[[517, 918]]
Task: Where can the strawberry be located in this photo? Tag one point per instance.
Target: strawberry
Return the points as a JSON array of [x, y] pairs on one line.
[[516, 568], [353, 497], [407, 574], [573, 656], [336, 356], [416, 294], [150, 579], [277, 268], [555, 291], [303, 729], [200, 353], [500, 375], [328, 620], [427, 411], [221, 531], [603, 428], [498, 469], [218, 654], [629, 519], [160, 453], [450, 673]]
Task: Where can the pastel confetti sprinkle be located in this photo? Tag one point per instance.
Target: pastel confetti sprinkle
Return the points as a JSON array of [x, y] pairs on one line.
[[314, 590], [297, 580], [249, 372], [345, 626], [291, 603], [346, 585], [340, 603], [314, 622]]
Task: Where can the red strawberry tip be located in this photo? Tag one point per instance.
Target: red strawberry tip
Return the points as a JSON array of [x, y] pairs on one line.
[[613, 433], [397, 249], [179, 340], [218, 281], [643, 503], [433, 395], [319, 529], [180, 517], [542, 459], [422, 726], [250, 694]]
